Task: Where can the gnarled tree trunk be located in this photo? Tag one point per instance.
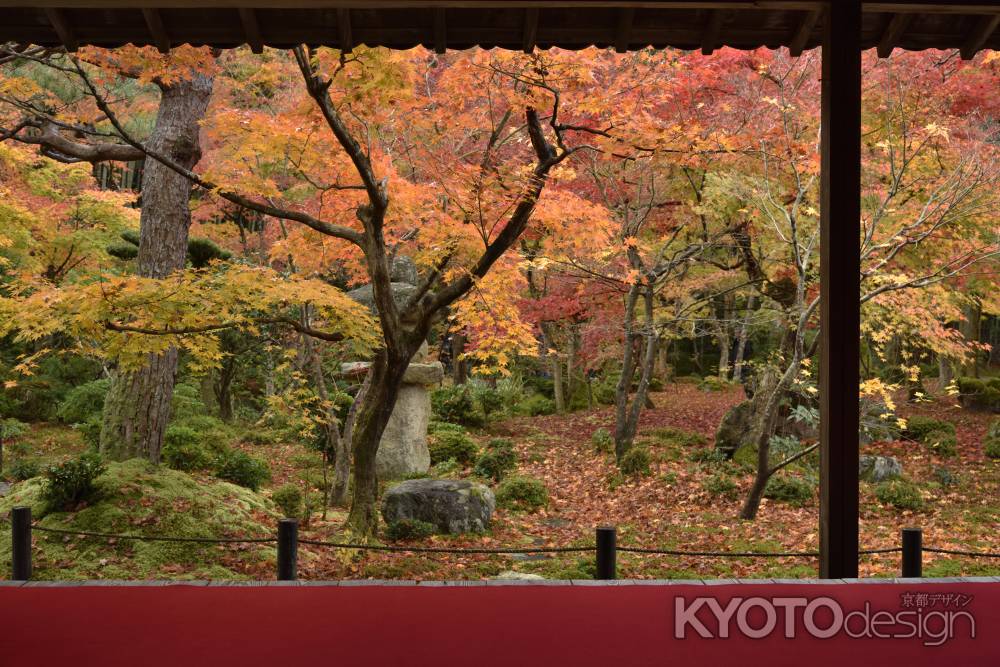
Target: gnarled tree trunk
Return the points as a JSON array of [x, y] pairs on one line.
[[137, 408]]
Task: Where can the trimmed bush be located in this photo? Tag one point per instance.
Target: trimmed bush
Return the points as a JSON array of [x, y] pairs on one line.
[[720, 485], [992, 448], [942, 442], [919, 426], [454, 404], [788, 489], [83, 402], [536, 405], [900, 493], [498, 460], [90, 431], [288, 498], [979, 393], [70, 483], [183, 449], [409, 529], [451, 443], [635, 462], [489, 400], [713, 383], [242, 469], [522, 493], [603, 440]]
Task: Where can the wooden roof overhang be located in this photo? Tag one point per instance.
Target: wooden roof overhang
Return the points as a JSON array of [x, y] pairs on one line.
[[509, 24]]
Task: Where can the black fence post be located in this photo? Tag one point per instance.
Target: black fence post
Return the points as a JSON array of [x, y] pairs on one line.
[[20, 530], [288, 549], [913, 539], [607, 546]]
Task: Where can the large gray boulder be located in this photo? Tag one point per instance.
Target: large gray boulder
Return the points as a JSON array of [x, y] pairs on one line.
[[403, 448], [877, 469], [365, 295], [454, 506]]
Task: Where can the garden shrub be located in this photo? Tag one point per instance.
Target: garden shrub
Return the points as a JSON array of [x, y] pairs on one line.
[[242, 469], [539, 384], [212, 432], [979, 393], [919, 426], [498, 460], [992, 448], [454, 404], [186, 402], [943, 442], [713, 383], [522, 493], [445, 468], [670, 435], [536, 405], [23, 469], [789, 489], [183, 450], [707, 455], [603, 440], [409, 529], [720, 485], [70, 483], [288, 498], [687, 379], [451, 443], [945, 477], [635, 462], [994, 429], [487, 398], [604, 391], [900, 493], [90, 431], [83, 402]]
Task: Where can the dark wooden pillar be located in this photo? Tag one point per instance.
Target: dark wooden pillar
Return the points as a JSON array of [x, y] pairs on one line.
[[840, 287]]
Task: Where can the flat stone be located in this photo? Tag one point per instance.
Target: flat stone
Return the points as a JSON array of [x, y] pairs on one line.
[[511, 575], [4, 488], [454, 506]]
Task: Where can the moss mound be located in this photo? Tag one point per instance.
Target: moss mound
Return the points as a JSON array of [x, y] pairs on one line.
[[137, 498]]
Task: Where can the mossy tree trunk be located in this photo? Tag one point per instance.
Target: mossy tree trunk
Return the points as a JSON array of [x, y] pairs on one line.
[[137, 408]]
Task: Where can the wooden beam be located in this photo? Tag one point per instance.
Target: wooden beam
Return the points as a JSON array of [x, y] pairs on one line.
[[986, 26], [251, 29], [155, 24], [344, 29], [440, 31], [59, 23], [840, 287], [530, 33], [890, 37], [623, 32], [802, 34], [710, 36]]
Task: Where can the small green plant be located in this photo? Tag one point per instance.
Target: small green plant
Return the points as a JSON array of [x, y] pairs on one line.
[[536, 405], [489, 400], [670, 435], [288, 498], [900, 493], [449, 443], [522, 493], [90, 431], [918, 427], [498, 460], [445, 468], [602, 440], [720, 485], [242, 469], [23, 469], [992, 448], [713, 383], [789, 489], [942, 442], [945, 477], [70, 483], [409, 529], [708, 455], [183, 449], [83, 402], [454, 404], [635, 462]]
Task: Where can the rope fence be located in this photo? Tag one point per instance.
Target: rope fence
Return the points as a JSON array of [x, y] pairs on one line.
[[605, 547]]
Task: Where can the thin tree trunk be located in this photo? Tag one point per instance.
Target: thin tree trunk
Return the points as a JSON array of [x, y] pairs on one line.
[[137, 407], [626, 414], [459, 367], [741, 344]]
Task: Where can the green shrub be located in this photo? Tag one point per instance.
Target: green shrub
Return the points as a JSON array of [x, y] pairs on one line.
[[687, 379], [90, 431], [445, 468], [979, 393], [789, 489], [538, 384], [212, 432], [183, 449], [713, 383], [635, 462], [409, 529], [992, 447], [70, 483], [604, 391], [994, 429], [522, 493], [23, 469], [83, 402], [261, 436], [186, 402], [454, 404], [603, 440], [449, 443], [242, 469], [720, 485], [498, 459], [536, 405], [919, 426], [668, 434], [945, 477], [943, 442], [707, 455], [288, 498], [489, 400], [900, 493], [656, 383]]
